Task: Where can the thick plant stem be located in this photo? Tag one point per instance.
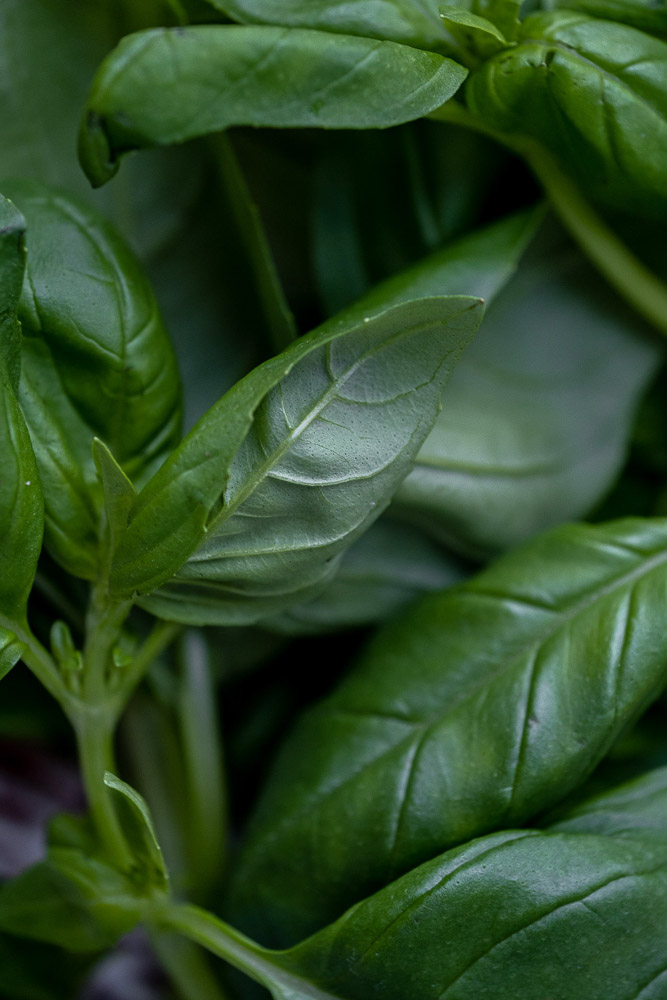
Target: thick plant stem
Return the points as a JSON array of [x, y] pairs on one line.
[[94, 732], [625, 272]]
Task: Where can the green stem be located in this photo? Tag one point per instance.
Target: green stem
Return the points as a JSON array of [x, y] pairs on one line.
[[645, 292], [103, 625], [260, 964], [187, 967], [279, 319], [203, 761], [642, 289], [94, 728], [160, 637], [40, 662]]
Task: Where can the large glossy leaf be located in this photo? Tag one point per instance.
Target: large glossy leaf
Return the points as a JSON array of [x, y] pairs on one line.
[[516, 914], [414, 22], [292, 465], [592, 92], [391, 565], [480, 708], [96, 362], [538, 414], [648, 15], [21, 503], [206, 78]]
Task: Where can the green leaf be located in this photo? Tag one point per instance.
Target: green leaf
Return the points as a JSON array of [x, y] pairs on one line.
[[633, 808], [207, 78], [12, 265], [33, 971], [96, 362], [459, 17], [71, 900], [119, 493], [410, 21], [477, 710], [136, 823], [11, 651], [538, 414], [268, 469], [594, 93], [387, 568], [516, 914], [21, 503], [647, 15]]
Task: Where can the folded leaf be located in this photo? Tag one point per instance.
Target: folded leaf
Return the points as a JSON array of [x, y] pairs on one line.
[[516, 914], [206, 78], [538, 414], [479, 709], [97, 361], [292, 465], [410, 21], [21, 502], [594, 93]]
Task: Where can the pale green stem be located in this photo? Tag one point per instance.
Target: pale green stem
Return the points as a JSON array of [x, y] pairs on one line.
[[160, 637], [94, 728], [258, 963], [642, 289], [40, 662], [203, 761], [187, 967]]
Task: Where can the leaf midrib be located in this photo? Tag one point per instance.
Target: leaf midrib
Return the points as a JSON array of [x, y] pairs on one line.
[[420, 728]]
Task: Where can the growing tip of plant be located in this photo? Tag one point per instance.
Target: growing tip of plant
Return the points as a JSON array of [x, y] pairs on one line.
[[94, 149]]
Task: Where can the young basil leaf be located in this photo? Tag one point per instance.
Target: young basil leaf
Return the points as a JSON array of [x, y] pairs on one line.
[[387, 568], [11, 651], [594, 93], [647, 15], [21, 502], [412, 22], [516, 914], [206, 78], [96, 361], [119, 493], [270, 468], [466, 22], [480, 708], [538, 413], [137, 825], [71, 900]]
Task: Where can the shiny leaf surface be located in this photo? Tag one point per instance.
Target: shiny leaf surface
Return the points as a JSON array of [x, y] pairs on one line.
[[204, 79], [413, 22], [96, 362], [592, 92], [480, 708], [326, 431]]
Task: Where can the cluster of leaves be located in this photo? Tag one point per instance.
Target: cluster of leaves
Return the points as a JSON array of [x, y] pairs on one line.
[[463, 205]]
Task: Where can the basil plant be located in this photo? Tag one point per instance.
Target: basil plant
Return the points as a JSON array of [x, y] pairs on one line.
[[333, 507]]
